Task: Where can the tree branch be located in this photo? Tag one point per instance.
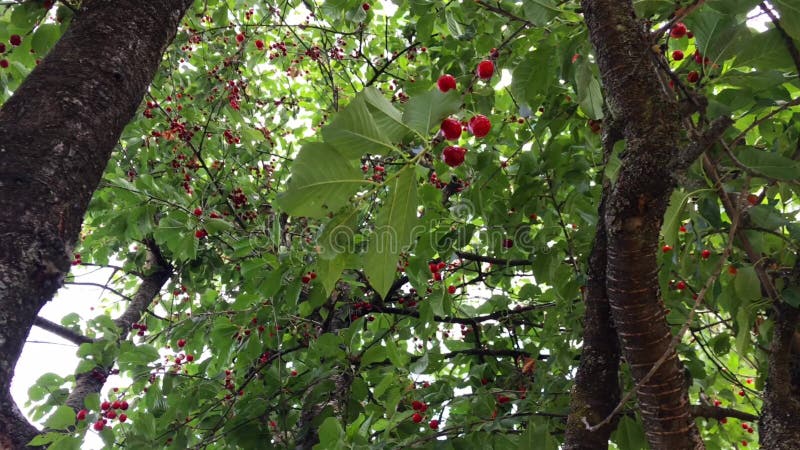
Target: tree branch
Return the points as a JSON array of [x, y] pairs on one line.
[[62, 331]]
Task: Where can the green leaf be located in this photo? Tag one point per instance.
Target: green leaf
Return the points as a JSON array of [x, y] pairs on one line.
[[590, 98], [791, 296], [46, 438], [45, 36], [61, 419], [354, 132], [743, 323], [330, 270], [717, 35], [629, 435], [339, 235], [419, 366], [532, 75], [790, 16], [394, 229], [423, 111], [330, 434], [322, 182], [214, 226], [770, 164], [388, 119], [747, 285], [456, 30], [540, 11], [142, 354], [767, 217], [672, 217]]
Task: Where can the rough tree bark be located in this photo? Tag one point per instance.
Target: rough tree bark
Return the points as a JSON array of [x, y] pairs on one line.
[[655, 153], [596, 391], [56, 135], [780, 413]]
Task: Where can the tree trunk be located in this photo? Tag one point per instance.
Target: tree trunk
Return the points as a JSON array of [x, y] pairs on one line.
[[56, 135], [596, 391], [651, 128], [780, 414]]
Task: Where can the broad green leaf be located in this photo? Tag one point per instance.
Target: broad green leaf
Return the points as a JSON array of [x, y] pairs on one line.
[[743, 322], [420, 364], [339, 234], [770, 164], [673, 217], [747, 285], [354, 132], [393, 233], [456, 30], [214, 226], [717, 35], [141, 354], [61, 419], [629, 435], [47, 438], [590, 98], [388, 119], [330, 434], [790, 16], [330, 270], [45, 37], [322, 182], [767, 217], [423, 111], [532, 75], [540, 11]]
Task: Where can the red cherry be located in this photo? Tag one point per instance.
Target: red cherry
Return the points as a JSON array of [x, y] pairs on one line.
[[479, 126], [259, 44], [677, 55], [200, 234], [451, 289], [15, 40], [312, 275], [508, 243], [111, 414], [81, 414], [417, 417], [417, 405], [115, 405], [99, 425], [181, 343], [741, 393], [682, 229], [745, 426], [451, 128], [190, 358], [732, 270], [454, 155], [503, 399], [680, 285], [2, 47], [693, 77], [105, 405], [446, 82], [434, 424], [666, 248], [294, 373], [705, 254], [240, 38], [123, 417], [305, 279], [752, 199], [678, 30], [365, 6], [485, 69], [744, 443], [198, 211], [4, 63], [437, 276], [749, 381]]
